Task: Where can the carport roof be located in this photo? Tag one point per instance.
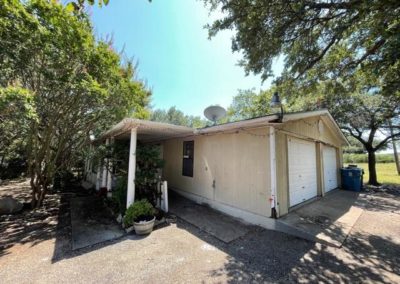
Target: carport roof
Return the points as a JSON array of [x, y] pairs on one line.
[[158, 131], [146, 130]]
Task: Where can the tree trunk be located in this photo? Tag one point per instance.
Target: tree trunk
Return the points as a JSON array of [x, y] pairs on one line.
[[39, 191], [372, 168]]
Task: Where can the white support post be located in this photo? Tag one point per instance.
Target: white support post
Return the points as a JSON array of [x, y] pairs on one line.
[[132, 168], [164, 196], [98, 178], [104, 176], [109, 176], [272, 154]]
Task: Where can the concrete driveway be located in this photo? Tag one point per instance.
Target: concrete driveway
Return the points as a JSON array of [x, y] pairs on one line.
[[183, 253], [329, 219]]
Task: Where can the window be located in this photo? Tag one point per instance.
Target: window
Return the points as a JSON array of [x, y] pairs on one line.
[[188, 152]]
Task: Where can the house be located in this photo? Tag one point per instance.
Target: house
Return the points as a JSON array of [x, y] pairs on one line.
[[253, 169]]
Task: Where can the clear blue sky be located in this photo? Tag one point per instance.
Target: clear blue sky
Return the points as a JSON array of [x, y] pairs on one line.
[[181, 65]]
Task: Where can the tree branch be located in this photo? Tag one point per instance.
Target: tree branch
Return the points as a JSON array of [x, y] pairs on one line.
[[386, 140]]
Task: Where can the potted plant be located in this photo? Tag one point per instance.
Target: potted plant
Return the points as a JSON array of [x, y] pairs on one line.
[[141, 215]]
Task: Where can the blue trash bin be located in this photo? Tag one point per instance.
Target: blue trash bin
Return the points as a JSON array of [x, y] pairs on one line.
[[352, 178]]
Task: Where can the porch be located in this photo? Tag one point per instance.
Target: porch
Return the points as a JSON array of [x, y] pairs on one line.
[[135, 130]]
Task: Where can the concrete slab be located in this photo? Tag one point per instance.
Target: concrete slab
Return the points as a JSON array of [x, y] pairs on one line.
[[91, 222], [221, 226], [328, 220]]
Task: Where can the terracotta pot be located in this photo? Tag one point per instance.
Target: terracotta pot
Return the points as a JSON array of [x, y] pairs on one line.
[[144, 227]]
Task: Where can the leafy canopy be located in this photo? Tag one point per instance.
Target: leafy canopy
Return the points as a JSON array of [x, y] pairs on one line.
[[78, 84], [177, 117], [352, 33]]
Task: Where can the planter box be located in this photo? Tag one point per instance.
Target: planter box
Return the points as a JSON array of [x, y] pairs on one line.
[[144, 228]]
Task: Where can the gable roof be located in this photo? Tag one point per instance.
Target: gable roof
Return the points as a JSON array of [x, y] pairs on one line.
[[152, 131], [272, 119]]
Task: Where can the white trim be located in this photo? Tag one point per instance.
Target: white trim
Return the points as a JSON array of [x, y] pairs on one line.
[[132, 168], [254, 122], [272, 156], [104, 176], [109, 169], [98, 178], [167, 130]]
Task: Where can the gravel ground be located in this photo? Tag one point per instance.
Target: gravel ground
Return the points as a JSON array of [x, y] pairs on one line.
[[181, 253]]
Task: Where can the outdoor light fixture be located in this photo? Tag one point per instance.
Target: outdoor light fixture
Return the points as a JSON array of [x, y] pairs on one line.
[[275, 103]]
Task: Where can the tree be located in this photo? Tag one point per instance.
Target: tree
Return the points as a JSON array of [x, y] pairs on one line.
[[17, 111], [177, 117], [358, 33], [248, 104], [358, 106], [361, 110], [78, 84]]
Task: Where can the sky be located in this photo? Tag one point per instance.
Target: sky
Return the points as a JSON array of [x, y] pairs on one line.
[[180, 64]]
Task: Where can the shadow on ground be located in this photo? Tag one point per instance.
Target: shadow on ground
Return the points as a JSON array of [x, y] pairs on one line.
[[51, 221], [263, 256], [258, 256], [29, 226]]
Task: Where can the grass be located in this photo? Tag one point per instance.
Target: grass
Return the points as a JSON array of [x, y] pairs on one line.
[[386, 172]]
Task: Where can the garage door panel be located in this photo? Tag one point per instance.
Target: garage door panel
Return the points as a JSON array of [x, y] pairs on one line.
[[302, 171], [330, 168]]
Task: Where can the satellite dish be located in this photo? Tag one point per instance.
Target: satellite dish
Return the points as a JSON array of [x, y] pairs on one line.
[[214, 113]]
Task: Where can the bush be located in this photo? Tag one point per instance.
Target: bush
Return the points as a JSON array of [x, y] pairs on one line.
[[385, 158], [63, 179], [13, 168], [138, 211], [119, 195], [363, 158], [148, 165]]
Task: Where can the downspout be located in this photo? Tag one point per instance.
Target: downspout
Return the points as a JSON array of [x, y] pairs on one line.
[[272, 156]]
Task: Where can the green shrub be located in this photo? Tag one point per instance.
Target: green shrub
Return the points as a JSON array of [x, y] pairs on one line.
[[385, 158], [363, 158], [148, 165], [138, 210], [119, 195]]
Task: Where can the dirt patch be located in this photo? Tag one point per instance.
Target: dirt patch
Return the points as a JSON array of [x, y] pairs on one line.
[[35, 226]]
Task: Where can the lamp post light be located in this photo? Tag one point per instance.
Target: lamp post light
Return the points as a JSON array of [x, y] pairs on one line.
[[275, 103]]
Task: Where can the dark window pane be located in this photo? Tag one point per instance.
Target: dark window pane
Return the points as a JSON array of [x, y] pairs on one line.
[[188, 155]]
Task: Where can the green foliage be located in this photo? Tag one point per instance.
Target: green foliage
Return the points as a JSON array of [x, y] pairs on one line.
[[351, 34], [363, 158], [63, 179], [137, 211], [17, 112], [119, 195], [358, 105], [248, 104], [148, 166], [78, 84], [356, 147], [177, 117]]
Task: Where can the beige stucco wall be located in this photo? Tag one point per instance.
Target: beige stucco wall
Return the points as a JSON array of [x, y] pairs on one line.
[[237, 163], [304, 129]]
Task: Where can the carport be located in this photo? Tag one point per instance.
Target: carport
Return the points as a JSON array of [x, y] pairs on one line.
[[138, 130]]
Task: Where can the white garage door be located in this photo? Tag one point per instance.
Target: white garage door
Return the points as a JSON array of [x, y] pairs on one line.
[[302, 170], [330, 168]]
